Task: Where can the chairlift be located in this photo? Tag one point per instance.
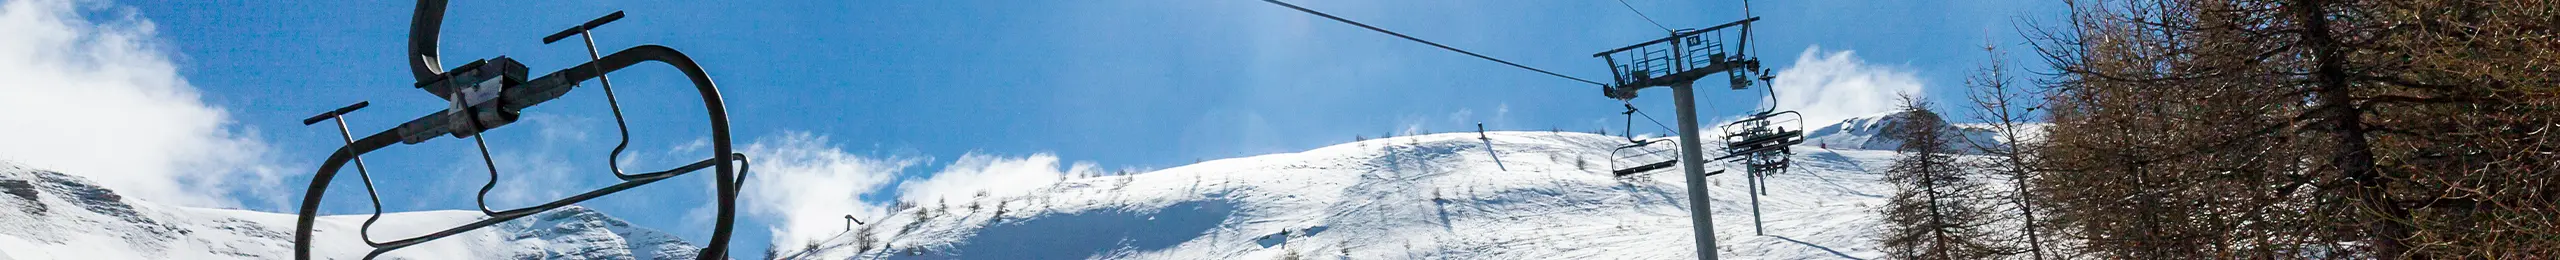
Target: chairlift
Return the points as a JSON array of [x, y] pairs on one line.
[[1762, 146], [491, 93], [1641, 155], [1762, 141]]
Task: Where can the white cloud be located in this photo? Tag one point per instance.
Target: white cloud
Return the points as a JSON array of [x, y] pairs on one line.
[[101, 99], [997, 176], [803, 186], [1830, 86], [1464, 116]]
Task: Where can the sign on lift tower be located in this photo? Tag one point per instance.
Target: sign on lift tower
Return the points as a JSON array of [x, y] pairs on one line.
[[1677, 62]]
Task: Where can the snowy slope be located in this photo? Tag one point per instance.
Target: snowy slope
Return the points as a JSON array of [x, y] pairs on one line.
[[48, 215], [1440, 196]]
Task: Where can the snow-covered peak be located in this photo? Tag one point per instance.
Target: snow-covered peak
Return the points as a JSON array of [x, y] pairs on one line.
[[1873, 132], [576, 232], [1507, 195], [50, 215]]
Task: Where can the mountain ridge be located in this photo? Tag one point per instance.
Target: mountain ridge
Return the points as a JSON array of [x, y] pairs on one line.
[[1870, 132], [1510, 195]]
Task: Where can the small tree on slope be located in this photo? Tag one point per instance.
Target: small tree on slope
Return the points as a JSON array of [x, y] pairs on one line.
[[2008, 110], [1935, 212]]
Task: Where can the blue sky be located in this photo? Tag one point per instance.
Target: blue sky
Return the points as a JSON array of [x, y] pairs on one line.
[[906, 88]]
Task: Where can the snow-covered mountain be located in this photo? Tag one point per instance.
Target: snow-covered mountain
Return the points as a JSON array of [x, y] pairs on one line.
[[1518, 195], [49, 215], [1868, 133]]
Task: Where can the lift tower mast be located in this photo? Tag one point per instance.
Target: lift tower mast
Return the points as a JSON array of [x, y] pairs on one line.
[[1677, 62]]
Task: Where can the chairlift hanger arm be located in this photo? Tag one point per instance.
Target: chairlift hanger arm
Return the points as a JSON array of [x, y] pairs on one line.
[[424, 26]]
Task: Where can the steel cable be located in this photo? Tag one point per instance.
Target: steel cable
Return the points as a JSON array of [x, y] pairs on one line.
[[1433, 44]]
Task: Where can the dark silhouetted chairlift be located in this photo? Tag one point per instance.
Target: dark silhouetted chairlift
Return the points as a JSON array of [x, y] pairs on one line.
[[490, 93]]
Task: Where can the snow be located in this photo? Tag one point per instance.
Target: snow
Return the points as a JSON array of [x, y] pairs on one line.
[[67, 217], [1438, 196], [1867, 133], [1514, 195]]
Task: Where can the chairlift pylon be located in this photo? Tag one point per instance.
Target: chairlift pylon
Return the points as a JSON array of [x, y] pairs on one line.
[[1676, 62], [491, 93]]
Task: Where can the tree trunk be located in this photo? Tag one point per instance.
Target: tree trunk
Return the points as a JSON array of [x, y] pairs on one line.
[[2353, 154]]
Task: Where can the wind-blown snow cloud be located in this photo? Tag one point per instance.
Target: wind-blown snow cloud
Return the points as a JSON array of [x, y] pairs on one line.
[[803, 185], [997, 176], [101, 99], [1830, 86]]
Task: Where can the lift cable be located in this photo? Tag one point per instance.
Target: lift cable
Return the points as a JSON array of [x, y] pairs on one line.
[[1640, 14], [1631, 107], [1433, 44]]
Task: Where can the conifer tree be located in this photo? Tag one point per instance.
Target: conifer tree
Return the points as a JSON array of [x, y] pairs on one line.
[[1936, 212], [2186, 129], [2008, 111]]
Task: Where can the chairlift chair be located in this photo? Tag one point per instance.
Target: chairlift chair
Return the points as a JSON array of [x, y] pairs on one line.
[[1759, 134], [490, 93], [1764, 149], [1640, 155]]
